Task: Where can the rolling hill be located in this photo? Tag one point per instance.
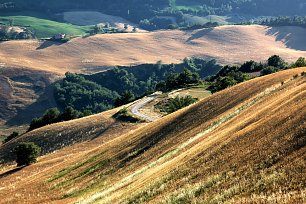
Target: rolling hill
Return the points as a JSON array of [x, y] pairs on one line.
[[226, 44], [27, 67], [245, 144]]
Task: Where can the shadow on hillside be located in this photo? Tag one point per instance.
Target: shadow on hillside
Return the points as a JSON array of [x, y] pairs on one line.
[[47, 44], [10, 172], [26, 114], [199, 34], [292, 37]]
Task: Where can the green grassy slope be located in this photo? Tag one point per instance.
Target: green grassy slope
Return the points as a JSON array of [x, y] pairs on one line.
[[45, 28]]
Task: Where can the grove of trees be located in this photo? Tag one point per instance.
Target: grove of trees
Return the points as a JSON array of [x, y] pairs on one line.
[[9, 33], [81, 95], [285, 21]]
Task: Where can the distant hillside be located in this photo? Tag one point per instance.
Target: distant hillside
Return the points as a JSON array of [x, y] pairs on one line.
[[226, 44], [146, 9], [137, 10], [245, 144], [253, 7]]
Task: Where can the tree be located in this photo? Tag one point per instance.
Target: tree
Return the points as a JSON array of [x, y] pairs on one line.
[[185, 77], [268, 70], [301, 62], [11, 137], [250, 66], [70, 114], [96, 29], [223, 83], [27, 153], [276, 61], [51, 116], [125, 98]]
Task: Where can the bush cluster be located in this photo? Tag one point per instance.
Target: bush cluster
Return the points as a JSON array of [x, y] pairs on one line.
[[231, 75], [53, 115], [27, 153], [181, 80], [174, 104]]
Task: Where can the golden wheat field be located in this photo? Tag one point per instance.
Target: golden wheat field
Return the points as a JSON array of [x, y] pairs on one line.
[[245, 144], [226, 44]]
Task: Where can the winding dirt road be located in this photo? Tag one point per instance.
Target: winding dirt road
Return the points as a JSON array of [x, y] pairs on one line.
[[135, 109]]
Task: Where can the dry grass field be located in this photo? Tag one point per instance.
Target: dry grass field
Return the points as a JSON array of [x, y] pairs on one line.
[[41, 62], [24, 94], [227, 44], [245, 144]]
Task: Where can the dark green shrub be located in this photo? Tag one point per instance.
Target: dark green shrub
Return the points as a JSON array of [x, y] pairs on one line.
[[69, 114], [11, 137], [125, 116], [27, 153], [269, 70], [178, 80], [251, 66], [301, 62], [53, 115], [50, 116], [223, 83], [125, 98], [176, 104], [276, 61]]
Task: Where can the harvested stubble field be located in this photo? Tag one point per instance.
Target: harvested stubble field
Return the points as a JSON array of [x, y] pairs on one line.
[[245, 144], [227, 44]]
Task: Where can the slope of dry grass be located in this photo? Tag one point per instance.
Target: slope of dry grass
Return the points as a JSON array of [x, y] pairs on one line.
[[227, 44], [245, 144], [24, 94], [39, 60]]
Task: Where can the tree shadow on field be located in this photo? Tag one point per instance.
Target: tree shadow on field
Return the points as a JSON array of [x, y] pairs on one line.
[[199, 34], [48, 43], [10, 172], [292, 37]]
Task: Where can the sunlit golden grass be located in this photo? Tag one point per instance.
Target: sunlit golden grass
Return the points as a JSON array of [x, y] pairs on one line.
[[227, 44], [245, 144]]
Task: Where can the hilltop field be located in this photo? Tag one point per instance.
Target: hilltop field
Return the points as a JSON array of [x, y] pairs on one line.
[[226, 44], [245, 144]]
